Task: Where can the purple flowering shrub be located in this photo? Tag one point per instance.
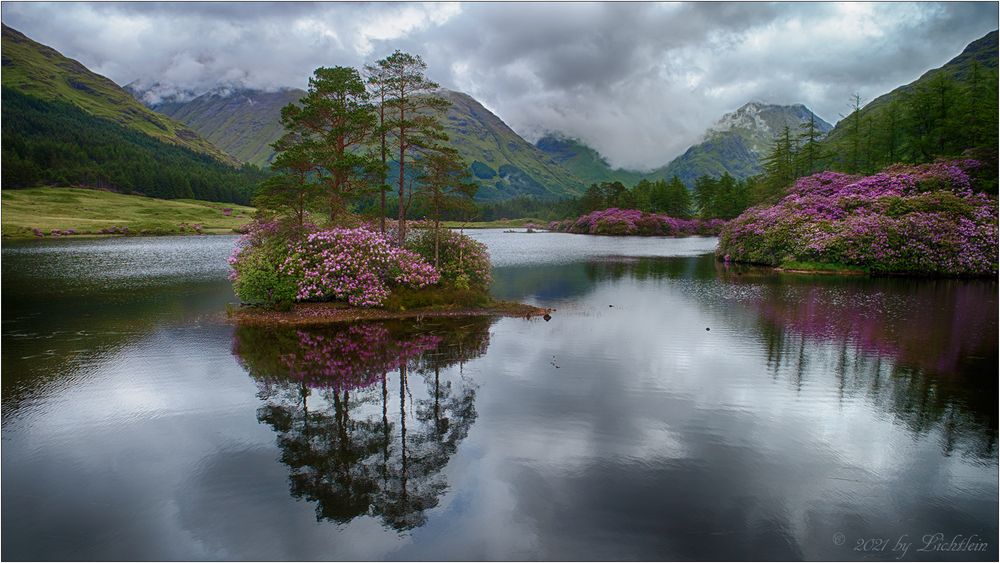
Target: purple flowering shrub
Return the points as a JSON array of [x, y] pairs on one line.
[[462, 261], [355, 265], [620, 222], [275, 266], [906, 219]]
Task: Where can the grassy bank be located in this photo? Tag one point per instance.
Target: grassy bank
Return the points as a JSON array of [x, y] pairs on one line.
[[822, 268], [89, 212]]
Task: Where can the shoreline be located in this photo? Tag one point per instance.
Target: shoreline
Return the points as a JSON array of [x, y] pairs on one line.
[[331, 312], [854, 271]]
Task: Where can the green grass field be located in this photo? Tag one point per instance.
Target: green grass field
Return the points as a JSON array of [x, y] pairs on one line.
[[90, 211], [503, 224]]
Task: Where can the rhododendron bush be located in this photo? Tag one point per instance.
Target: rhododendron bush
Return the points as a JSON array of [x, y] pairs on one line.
[[616, 221], [354, 265], [359, 266], [462, 262], [906, 219], [256, 262]]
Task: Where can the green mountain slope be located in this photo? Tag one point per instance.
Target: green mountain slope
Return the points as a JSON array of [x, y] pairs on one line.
[[737, 142], [983, 52], [584, 162], [503, 164], [42, 72], [244, 123], [55, 143]]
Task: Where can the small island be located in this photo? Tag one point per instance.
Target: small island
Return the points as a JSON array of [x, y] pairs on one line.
[[313, 276], [310, 257]]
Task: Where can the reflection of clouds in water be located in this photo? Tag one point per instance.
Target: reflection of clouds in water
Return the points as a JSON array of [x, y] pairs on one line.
[[646, 442], [519, 249], [790, 439], [119, 263]]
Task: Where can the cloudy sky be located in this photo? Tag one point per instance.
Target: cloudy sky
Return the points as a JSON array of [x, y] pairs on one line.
[[638, 81]]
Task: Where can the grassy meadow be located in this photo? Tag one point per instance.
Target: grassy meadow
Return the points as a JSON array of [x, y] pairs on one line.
[[91, 211]]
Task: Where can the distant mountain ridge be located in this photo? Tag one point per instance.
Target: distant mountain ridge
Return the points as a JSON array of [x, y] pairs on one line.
[[246, 122], [243, 122], [735, 144], [585, 162], [738, 142], [501, 161]]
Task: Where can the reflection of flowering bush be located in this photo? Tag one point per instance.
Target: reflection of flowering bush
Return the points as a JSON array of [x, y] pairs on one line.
[[354, 358], [356, 355], [616, 221], [356, 265], [904, 219]]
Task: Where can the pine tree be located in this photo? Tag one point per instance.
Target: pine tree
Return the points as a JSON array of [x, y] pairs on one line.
[[810, 152], [678, 199], [329, 129], [855, 134], [414, 115], [377, 78], [445, 185]]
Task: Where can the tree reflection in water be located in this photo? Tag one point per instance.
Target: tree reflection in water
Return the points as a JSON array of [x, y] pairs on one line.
[[922, 350], [341, 399]]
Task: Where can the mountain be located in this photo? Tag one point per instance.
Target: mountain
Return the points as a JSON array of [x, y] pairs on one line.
[[64, 125], [982, 51], [246, 122], [43, 73], [584, 162], [502, 163], [737, 143], [242, 122]]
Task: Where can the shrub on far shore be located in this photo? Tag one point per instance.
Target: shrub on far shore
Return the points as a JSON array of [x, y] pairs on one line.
[[625, 222]]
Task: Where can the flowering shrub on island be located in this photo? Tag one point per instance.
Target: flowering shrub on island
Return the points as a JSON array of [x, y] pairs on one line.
[[906, 219], [462, 261], [616, 221], [354, 265], [275, 265], [256, 260]]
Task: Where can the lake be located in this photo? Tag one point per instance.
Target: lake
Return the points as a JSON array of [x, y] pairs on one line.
[[674, 407]]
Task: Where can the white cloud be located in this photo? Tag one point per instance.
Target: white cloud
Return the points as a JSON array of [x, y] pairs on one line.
[[639, 82]]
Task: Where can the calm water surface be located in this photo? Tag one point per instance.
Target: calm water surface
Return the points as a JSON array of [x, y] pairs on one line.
[[673, 408]]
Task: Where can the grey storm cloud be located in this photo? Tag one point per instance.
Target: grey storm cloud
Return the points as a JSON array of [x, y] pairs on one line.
[[640, 82]]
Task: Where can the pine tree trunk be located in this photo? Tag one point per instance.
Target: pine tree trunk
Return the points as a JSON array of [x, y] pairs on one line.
[[402, 152], [384, 174], [437, 238]]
